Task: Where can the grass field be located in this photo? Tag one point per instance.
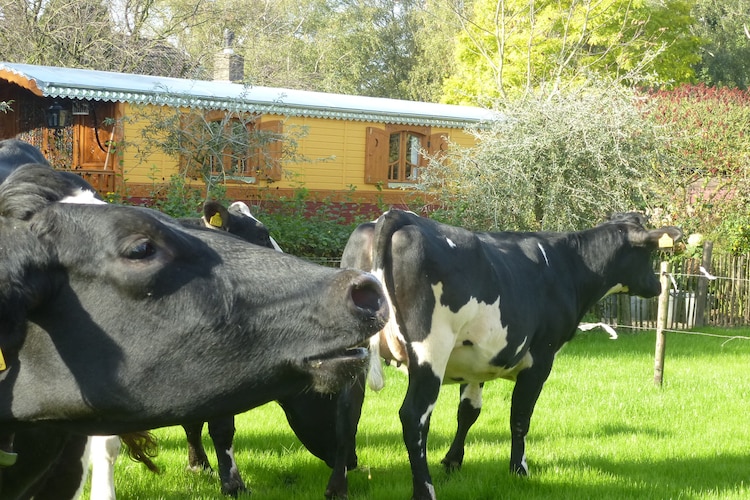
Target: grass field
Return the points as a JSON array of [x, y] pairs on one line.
[[601, 430]]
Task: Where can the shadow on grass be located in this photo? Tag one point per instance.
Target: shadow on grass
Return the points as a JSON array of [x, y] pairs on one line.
[[275, 465]]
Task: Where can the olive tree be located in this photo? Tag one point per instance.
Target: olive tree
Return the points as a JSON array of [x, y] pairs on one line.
[[557, 162]]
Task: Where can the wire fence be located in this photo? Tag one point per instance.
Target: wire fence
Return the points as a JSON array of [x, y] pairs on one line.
[[711, 292]]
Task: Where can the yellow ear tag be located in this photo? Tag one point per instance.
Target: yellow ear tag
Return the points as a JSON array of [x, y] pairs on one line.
[[666, 241], [2, 362], [215, 220]]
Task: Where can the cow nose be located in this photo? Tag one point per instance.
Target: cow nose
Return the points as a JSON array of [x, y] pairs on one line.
[[368, 299]]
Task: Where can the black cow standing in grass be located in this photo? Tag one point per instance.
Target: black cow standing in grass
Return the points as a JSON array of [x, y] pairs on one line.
[[469, 307], [115, 319]]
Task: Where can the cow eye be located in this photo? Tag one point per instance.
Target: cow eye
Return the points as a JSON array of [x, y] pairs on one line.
[[140, 250]]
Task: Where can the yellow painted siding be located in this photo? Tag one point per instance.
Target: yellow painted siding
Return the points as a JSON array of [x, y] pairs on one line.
[[336, 150], [331, 152], [156, 167]]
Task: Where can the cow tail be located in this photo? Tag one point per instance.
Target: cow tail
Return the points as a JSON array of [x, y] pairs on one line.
[[375, 374], [386, 225], [142, 447]]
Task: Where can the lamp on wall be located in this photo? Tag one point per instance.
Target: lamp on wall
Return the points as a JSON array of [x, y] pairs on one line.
[[57, 116]]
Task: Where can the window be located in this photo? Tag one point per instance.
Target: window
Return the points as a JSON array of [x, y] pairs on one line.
[[233, 147], [393, 157], [403, 156]]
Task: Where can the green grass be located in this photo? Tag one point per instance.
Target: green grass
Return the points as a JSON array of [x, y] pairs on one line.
[[601, 430]]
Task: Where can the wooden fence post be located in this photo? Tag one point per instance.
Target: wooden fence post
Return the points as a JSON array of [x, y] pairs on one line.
[[701, 295], [661, 323]]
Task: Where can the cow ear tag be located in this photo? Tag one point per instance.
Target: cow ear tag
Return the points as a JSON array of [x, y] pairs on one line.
[[2, 361], [216, 220], [666, 241]]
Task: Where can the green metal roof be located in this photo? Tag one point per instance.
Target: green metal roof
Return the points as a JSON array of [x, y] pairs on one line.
[[48, 81]]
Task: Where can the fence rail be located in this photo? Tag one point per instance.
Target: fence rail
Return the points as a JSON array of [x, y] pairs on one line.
[[715, 292]]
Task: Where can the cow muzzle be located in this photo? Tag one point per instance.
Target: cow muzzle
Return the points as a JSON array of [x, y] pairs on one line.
[[368, 303], [330, 372]]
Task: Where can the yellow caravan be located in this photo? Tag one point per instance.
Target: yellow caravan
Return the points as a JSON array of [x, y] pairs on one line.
[[354, 148]]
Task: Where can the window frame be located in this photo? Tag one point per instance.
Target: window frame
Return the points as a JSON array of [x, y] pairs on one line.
[[378, 165]]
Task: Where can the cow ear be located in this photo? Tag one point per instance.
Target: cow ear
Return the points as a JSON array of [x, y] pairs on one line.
[[30, 188], [655, 236], [216, 215]]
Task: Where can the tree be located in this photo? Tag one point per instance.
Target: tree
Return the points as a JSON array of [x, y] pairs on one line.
[[345, 46], [556, 163], [708, 191], [433, 46], [86, 34], [509, 47], [725, 54]]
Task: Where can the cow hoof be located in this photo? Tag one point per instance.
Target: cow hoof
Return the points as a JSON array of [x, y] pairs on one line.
[[233, 489], [451, 465], [198, 468], [519, 470], [336, 496], [338, 487]]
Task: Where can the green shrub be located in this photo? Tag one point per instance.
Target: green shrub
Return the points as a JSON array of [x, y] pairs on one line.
[[316, 231]]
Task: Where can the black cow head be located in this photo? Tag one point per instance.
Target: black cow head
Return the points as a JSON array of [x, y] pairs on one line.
[[122, 319], [636, 252], [237, 220]]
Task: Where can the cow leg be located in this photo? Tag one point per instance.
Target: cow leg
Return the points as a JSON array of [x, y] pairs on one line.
[[197, 459], [104, 453], [67, 479], [50, 466], [348, 412], [7, 457], [468, 411], [525, 394], [221, 431], [415, 412]]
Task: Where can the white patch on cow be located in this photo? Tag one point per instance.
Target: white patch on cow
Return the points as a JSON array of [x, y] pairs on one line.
[[230, 453], [618, 288], [276, 245], [522, 345], [450, 243], [473, 393], [85, 466], [426, 415], [104, 453], [461, 345], [422, 429], [523, 461], [430, 490], [544, 253], [243, 209], [83, 197]]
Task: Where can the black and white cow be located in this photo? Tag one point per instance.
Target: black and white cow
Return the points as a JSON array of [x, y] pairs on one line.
[[115, 319], [469, 307], [239, 221]]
